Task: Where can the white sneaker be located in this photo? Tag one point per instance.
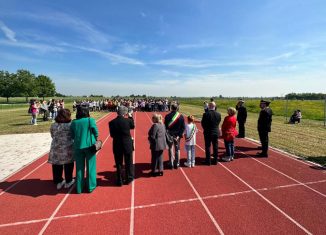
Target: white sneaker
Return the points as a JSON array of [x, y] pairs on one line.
[[226, 159], [187, 164], [67, 185], [193, 165], [59, 185]]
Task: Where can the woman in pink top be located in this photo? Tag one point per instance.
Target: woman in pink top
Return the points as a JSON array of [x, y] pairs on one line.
[[34, 111], [229, 132]]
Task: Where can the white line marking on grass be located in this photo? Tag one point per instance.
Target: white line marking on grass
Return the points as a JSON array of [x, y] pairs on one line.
[[265, 199], [132, 211], [156, 204], [63, 200], [203, 203], [285, 154]]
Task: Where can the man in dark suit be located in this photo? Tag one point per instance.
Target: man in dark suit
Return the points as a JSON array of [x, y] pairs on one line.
[[264, 126], [241, 118], [123, 144], [175, 126], [210, 123]]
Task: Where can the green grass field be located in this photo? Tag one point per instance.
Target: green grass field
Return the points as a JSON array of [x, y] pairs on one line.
[[306, 140], [17, 121]]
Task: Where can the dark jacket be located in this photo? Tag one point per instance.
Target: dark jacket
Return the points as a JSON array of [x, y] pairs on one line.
[[177, 128], [242, 114], [120, 132], [210, 122], [156, 137], [265, 120]]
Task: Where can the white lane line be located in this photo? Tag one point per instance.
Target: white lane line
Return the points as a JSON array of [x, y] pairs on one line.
[[24, 177], [285, 154], [287, 176], [132, 211], [157, 204], [13, 185], [264, 198], [199, 198], [203, 203], [56, 211], [62, 202]]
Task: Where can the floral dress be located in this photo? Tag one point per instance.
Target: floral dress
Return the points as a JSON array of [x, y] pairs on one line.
[[61, 151]]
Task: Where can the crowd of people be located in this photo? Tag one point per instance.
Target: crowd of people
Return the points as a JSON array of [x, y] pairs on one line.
[[73, 141], [49, 109]]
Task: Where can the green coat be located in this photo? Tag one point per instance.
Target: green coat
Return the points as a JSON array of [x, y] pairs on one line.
[[80, 132]]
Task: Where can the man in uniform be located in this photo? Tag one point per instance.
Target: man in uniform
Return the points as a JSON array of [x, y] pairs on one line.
[[264, 126], [241, 118]]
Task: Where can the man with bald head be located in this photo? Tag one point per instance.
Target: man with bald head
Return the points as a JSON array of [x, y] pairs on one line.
[[210, 123]]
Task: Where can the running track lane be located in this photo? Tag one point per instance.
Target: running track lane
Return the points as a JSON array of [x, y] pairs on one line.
[[224, 207], [302, 203], [31, 195], [172, 217]]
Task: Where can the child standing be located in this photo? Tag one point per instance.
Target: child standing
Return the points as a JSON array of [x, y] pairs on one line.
[[190, 138]]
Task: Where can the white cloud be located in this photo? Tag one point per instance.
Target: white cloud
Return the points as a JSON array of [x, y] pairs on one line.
[[40, 47], [196, 45], [11, 35], [143, 14], [114, 58], [131, 49]]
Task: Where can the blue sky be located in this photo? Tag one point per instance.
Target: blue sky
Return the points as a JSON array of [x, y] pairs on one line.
[[163, 48]]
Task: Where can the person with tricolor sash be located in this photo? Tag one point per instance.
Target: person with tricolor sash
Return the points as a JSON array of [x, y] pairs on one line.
[[175, 126], [190, 141]]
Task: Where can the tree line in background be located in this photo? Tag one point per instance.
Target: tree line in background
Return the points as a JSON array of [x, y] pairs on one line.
[[23, 83], [305, 96]]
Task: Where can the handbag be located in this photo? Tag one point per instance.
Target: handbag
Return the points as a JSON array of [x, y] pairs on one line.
[[169, 138], [98, 144]]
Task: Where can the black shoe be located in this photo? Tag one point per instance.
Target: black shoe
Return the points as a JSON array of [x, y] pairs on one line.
[[170, 167], [206, 163], [153, 174], [214, 162], [160, 173], [176, 166], [262, 154], [119, 183], [126, 182]]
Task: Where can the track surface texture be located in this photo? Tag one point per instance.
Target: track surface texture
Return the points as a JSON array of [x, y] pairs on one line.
[[274, 195]]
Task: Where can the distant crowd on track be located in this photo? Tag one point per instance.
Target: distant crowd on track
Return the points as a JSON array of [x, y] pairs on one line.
[[77, 140], [49, 109]]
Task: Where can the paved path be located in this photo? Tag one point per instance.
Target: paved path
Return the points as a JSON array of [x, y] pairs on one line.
[[18, 150]]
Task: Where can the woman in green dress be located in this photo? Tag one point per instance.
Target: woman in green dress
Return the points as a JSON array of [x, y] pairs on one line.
[[84, 132]]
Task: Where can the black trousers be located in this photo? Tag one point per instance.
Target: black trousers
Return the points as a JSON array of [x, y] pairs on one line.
[[263, 136], [129, 166], [241, 129], [211, 140], [157, 160], [57, 171]]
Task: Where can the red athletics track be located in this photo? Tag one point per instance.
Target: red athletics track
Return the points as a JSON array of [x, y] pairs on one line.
[[247, 196]]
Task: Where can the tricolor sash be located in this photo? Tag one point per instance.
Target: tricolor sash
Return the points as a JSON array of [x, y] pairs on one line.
[[174, 119], [192, 133]]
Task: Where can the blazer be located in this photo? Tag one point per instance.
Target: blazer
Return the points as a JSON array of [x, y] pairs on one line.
[[265, 120], [178, 128], [210, 122], [120, 132], [156, 137], [242, 114], [84, 132]]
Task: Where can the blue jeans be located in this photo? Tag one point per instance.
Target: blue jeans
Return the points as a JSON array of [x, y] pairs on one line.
[[229, 147], [190, 154]]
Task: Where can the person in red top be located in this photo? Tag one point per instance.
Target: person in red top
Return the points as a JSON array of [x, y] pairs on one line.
[[229, 132]]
